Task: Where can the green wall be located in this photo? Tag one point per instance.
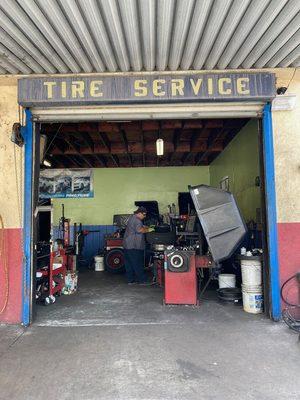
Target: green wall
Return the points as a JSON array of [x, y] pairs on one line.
[[240, 162], [116, 190]]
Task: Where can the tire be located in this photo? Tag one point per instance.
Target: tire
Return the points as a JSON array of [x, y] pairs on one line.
[[115, 261]]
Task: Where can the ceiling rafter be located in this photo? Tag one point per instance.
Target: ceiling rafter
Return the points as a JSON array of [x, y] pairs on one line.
[[106, 143], [119, 144], [125, 141]]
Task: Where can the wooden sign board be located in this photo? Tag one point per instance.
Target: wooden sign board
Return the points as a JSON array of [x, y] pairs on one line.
[[97, 90]]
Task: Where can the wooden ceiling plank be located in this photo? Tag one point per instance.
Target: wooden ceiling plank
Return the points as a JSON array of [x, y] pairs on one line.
[[104, 139], [185, 157], [101, 159], [125, 141], [88, 141]]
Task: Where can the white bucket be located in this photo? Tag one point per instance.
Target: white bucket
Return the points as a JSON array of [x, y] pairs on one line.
[[99, 263], [252, 299], [251, 272], [227, 281]]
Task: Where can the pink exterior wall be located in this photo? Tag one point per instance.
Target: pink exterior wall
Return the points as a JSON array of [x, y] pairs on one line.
[[289, 256], [13, 254]]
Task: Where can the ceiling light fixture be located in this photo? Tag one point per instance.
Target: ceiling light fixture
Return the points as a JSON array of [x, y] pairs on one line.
[[160, 147]]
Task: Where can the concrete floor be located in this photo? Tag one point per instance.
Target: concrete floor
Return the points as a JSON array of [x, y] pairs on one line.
[[113, 342]]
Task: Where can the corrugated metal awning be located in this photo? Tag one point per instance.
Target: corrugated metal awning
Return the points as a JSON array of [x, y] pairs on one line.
[[74, 36]]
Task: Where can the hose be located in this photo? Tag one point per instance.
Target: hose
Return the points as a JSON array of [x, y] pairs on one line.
[[281, 291], [292, 322], [3, 256]]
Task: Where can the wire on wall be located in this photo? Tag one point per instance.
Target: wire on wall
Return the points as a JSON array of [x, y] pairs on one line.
[[4, 261], [294, 73]]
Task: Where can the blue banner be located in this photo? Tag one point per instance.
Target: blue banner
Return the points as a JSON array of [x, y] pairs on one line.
[[66, 183]]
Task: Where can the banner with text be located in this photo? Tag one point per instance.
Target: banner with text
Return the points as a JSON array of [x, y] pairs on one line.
[[66, 183], [164, 88]]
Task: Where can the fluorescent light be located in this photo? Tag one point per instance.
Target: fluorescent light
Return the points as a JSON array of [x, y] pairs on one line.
[[284, 102], [160, 147], [47, 163]]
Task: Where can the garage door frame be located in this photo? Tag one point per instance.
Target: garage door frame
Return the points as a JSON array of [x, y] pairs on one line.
[[28, 133]]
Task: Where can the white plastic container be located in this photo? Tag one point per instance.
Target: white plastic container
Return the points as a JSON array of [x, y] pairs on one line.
[[99, 263], [251, 272], [252, 299], [227, 281]]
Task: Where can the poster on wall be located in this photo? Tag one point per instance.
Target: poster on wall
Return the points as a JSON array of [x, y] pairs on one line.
[[66, 183]]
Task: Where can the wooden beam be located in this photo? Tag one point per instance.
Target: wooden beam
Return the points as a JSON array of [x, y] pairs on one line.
[[143, 148], [185, 157], [77, 150], [125, 141], [87, 161], [176, 138], [88, 140], [214, 136], [56, 147], [73, 161], [139, 148], [101, 159], [106, 143]]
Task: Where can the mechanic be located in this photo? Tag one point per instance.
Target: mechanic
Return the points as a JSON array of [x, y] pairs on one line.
[[134, 247]]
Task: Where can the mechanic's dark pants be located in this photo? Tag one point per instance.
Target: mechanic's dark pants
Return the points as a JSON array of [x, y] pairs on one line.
[[134, 265]]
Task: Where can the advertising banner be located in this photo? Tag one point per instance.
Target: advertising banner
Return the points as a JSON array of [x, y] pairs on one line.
[[66, 183]]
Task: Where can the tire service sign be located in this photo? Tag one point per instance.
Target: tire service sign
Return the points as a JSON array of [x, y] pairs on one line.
[[165, 88], [66, 183]]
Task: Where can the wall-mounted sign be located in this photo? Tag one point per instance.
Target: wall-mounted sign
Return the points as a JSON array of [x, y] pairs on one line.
[[97, 90], [66, 183]]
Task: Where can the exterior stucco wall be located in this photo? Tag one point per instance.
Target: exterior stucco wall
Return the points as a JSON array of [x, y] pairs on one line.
[[8, 115], [287, 171], [286, 130], [9, 203]]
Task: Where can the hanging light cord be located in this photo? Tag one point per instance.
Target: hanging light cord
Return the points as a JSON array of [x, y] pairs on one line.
[[3, 259]]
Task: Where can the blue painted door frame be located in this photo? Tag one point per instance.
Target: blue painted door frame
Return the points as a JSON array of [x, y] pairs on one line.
[[270, 190], [28, 132]]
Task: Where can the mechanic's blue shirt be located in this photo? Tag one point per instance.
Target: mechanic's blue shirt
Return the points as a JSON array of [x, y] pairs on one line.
[[133, 239]]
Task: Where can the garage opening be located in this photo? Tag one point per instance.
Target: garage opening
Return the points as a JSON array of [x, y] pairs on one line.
[[92, 176]]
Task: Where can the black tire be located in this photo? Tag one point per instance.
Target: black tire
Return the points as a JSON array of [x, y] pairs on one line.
[[115, 261]]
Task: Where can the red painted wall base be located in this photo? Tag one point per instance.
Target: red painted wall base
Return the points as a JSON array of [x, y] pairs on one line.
[[12, 313], [289, 255], [289, 260]]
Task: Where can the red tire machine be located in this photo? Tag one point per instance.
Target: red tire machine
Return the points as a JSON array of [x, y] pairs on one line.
[[62, 260], [223, 228]]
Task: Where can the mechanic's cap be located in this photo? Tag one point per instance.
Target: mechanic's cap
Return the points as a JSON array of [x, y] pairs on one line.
[[141, 210]]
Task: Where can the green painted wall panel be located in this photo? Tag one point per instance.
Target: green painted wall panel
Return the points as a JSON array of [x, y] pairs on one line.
[[116, 190], [240, 162]]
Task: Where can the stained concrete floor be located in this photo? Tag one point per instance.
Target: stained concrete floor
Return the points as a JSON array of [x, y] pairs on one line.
[[113, 342]]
